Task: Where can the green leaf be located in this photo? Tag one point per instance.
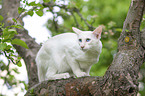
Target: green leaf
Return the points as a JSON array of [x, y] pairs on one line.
[[30, 13], [8, 34], [39, 13], [118, 29], [12, 30], [19, 64], [17, 26], [1, 18], [24, 1], [3, 46], [19, 58], [26, 86], [19, 42], [111, 24], [39, 5], [32, 90], [8, 47], [20, 10], [16, 70], [14, 20], [32, 3], [11, 77], [126, 30], [46, 1]]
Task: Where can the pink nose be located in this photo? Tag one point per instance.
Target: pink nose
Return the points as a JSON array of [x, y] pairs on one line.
[[82, 47]]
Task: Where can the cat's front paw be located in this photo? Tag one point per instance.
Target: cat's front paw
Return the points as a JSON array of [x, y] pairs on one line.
[[66, 75], [81, 74]]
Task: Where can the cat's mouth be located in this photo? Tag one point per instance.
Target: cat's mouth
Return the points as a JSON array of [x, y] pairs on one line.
[[83, 49]]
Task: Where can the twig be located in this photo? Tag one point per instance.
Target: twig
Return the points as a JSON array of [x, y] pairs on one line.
[[93, 22], [71, 11], [25, 14], [77, 24], [9, 57], [54, 20], [78, 12]]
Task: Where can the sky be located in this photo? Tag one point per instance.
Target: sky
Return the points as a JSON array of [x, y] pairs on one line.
[[36, 27]]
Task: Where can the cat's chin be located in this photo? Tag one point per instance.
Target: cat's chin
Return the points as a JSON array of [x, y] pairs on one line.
[[84, 50]]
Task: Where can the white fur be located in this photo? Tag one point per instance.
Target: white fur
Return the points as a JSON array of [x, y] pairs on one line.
[[62, 56]]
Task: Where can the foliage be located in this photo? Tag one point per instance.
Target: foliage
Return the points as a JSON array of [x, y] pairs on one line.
[[6, 39], [6, 49]]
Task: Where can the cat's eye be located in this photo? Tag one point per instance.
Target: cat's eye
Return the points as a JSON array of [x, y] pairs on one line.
[[88, 39], [80, 40]]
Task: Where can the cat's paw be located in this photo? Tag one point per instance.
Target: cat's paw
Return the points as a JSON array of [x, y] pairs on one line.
[[81, 74], [58, 76], [66, 75]]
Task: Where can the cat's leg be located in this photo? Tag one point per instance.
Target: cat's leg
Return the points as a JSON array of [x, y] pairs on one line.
[[51, 74], [76, 68], [41, 75], [88, 71], [74, 65], [57, 67]]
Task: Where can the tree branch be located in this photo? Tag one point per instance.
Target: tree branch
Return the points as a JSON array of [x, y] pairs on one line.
[[77, 24], [25, 14], [51, 4], [78, 12]]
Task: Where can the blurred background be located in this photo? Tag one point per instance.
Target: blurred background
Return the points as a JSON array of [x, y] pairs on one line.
[[54, 20]]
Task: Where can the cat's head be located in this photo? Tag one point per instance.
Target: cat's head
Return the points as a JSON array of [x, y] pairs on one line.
[[88, 39]]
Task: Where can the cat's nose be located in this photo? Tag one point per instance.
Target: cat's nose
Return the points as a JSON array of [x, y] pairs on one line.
[[82, 47]]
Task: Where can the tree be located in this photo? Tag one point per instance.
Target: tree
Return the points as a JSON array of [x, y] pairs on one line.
[[121, 76]]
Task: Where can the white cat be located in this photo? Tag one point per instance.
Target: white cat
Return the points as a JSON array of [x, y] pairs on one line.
[[69, 54]]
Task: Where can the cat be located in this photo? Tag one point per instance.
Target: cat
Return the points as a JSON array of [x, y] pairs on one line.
[[69, 54]]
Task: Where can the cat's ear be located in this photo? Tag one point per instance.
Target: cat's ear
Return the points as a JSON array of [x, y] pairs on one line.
[[97, 32], [78, 31]]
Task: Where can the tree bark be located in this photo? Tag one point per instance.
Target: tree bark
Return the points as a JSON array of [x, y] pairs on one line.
[[9, 11], [121, 78]]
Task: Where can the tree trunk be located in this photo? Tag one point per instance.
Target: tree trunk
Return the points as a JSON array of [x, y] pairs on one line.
[[121, 78], [9, 11]]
